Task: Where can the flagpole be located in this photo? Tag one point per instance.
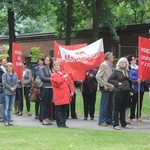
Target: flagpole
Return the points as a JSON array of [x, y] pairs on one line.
[[138, 103]]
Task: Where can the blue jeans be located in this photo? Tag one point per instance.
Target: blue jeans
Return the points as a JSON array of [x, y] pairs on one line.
[[1, 98], [106, 106], [9, 102]]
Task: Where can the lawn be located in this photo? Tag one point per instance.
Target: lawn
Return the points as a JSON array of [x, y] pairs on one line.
[[36, 138], [40, 138]]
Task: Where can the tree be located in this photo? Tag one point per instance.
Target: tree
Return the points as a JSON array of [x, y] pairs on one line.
[[22, 8], [11, 25], [69, 21]]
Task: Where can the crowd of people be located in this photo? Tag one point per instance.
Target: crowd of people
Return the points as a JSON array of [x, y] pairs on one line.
[[118, 86]]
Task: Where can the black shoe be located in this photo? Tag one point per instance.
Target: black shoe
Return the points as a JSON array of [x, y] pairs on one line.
[[92, 118], [75, 117], [85, 118], [63, 127], [37, 117]]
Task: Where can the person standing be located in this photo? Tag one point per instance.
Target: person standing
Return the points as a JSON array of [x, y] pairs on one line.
[[106, 105], [120, 79], [38, 103], [63, 91], [9, 81], [25, 83], [73, 106], [2, 70], [134, 78], [89, 88], [46, 92]]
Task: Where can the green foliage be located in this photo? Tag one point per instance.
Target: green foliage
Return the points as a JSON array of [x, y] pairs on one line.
[[35, 54], [3, 56], [3, 22], [5, 47]]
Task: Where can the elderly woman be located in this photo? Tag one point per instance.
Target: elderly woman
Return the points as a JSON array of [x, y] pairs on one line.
[[63, 91], [9, 81], [120, 79]]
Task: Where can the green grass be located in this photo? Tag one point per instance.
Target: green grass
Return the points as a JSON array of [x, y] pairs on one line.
[[36, 138], [79, 104], [41, 138]]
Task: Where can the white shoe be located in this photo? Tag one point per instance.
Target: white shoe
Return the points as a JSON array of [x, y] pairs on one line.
[[133, 120], [128, 127], [117, 128]]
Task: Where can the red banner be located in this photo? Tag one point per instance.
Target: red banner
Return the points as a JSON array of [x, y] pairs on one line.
[[78, 61], [17, 59], [57, 55], [144, 58]]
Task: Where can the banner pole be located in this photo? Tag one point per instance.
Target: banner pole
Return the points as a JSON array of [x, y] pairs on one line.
[[80, 97], [138, 103], [22, 95]]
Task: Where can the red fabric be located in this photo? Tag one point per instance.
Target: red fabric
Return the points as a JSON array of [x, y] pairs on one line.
[[144, 58], [17, 59], [60, 88], [57, 55], [77, 62]]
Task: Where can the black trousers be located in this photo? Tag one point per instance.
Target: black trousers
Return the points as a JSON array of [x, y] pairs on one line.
[[20, 98], [61, 115], [121, 99], [72, 107], [37, 106], [46, 95], [134, 105], [89, 104]]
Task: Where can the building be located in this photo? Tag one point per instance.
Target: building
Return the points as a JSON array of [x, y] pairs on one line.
[[128, 40]]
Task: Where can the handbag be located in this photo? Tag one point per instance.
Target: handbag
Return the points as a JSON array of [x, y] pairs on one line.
[[38, 82], [32, 95]]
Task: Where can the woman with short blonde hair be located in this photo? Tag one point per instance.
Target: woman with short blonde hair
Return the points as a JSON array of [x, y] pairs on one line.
[[9, 81]]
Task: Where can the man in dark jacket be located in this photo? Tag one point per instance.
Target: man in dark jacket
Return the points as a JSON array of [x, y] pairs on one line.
[[2, 70]]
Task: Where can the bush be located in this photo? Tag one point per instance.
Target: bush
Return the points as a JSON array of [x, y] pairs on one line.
[[35, 54]]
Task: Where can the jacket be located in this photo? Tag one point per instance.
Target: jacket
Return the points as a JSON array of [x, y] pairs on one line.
[[103, 74], [116, 77], [61, 90], [134, 77], [90, 83], [8, 83], [45, 75], [27, 79], [1, 73]]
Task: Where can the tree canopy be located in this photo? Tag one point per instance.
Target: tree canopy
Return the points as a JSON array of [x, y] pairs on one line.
[[67, 17]]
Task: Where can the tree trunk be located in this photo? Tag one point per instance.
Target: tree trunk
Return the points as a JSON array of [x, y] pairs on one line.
[[96, 14], [69, 21], [11, 23]]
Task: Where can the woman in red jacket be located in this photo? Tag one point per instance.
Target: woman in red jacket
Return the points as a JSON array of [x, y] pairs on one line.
[[63, 89]]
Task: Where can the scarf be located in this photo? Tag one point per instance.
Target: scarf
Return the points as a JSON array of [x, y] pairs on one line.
[[135, 67], [124, 71]]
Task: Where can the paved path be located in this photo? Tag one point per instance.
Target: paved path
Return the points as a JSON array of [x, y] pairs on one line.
[[78, 123]]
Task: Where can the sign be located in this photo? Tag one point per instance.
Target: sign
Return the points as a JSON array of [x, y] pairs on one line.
[[17, 59], [77, 62], [144, 58]]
